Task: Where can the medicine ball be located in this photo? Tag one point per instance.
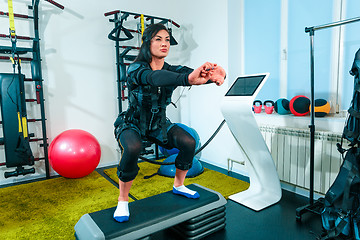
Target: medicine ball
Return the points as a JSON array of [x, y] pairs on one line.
[[281, 106], [299, 105], [322, 107]]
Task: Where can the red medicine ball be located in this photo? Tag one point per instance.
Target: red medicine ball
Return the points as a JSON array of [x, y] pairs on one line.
[[299, 105]]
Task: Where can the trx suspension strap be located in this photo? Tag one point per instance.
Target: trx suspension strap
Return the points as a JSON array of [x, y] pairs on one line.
[[11, 19], [117, 30], [23, 146], [12, 32], [142, 25], [21, 120]]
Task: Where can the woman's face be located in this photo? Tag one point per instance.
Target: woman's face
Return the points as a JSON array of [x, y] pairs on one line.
[[160, 44]]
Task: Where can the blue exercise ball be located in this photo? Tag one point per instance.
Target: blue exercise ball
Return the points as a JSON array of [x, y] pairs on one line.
[[281, 106], [193, 133], [169, 170], [168, 152]]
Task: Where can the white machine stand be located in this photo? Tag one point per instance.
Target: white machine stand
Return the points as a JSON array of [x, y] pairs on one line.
[[265, 189]]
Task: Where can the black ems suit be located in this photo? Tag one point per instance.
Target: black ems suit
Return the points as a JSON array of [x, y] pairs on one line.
[[149, 94]]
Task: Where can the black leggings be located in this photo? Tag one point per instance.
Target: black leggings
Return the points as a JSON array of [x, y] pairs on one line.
[[130, 143]]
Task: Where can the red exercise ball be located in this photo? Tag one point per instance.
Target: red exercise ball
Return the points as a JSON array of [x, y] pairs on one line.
[[74, 153], [299, 105]]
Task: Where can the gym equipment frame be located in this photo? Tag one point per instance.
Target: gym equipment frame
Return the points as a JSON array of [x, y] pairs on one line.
[[36, 73]]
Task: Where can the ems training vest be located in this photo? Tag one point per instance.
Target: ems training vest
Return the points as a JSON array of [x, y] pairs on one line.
[[352, 128], [150, 93]]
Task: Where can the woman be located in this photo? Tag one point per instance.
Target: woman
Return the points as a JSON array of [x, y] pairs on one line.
[[151, 82]]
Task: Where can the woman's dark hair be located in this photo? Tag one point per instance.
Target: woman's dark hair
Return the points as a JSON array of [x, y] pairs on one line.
[[145, 54]]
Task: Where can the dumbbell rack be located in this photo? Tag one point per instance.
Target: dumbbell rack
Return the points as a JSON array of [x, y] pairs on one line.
[[36, 78]]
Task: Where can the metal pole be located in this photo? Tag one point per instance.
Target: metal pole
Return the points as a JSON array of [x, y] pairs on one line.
[[312, 121], [117, 52], [38, 83]]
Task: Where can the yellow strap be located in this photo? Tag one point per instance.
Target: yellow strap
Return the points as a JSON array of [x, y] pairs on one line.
[[24, 125], [11, 18], [19, 120], [142, 25]]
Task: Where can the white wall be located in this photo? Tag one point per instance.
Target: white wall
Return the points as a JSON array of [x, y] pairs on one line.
[[201, 107], [78, 63]]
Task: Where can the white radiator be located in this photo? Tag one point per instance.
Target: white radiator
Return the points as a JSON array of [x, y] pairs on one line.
[[290, 149]]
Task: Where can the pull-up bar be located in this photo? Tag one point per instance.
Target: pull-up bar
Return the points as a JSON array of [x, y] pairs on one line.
[[334, 24], [18, 37], [55, 4], [17, 15], [315, 207], [137, 15]]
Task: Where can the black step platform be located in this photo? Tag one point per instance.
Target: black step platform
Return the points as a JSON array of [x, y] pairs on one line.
[[199, 217], [202, 226]]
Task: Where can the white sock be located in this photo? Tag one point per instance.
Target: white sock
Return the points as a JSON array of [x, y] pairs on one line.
[[184, 189], [122, 211]]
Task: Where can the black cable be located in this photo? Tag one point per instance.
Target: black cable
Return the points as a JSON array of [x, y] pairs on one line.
[[212, 137], [11, 82], [182, 92], [155, 162], [199, 150]]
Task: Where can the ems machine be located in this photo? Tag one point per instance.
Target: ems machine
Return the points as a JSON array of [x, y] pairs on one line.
[[265, 189]]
